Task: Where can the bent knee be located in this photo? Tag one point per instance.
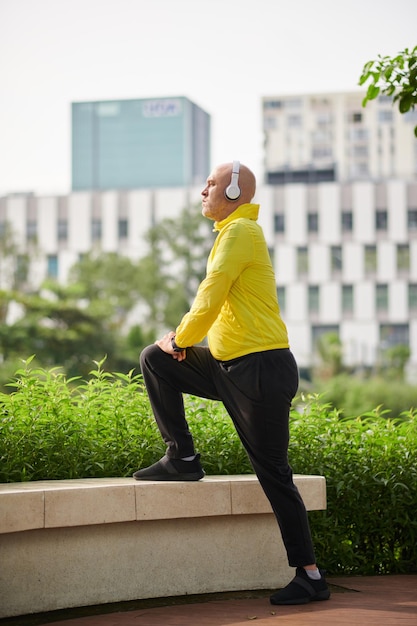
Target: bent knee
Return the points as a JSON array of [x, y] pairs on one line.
[[148, 354]]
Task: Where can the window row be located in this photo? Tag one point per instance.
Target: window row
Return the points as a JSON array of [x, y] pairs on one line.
[[346, 221], [370, 259], [389, 334], [347, 295], [62, 229]]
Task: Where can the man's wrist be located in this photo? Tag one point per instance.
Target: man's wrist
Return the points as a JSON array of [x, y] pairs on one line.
[[174, 345]]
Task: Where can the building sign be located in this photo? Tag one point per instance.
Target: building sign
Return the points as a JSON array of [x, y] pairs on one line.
[[162, 108]]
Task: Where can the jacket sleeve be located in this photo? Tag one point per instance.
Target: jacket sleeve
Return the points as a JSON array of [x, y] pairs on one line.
[[231, 252]]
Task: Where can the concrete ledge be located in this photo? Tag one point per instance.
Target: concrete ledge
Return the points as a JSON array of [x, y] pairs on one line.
[[91, 541]]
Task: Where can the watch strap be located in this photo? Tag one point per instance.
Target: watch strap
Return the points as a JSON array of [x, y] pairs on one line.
[[174, 345]]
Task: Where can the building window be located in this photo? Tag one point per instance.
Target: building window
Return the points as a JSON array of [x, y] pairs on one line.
[[270, 123], [281, 293], [317, 333], [358, 134], [360, 151], [62, 230], [31, 230], [356, 117], [410, 116], [385, 116], [412, 219], [381, 298], [294, 121], [370, 261], [52, 268], [96, 229], [272, 104], [302, 261], [336, 260], [123, 227], [394, 335], [313, 299], [412, 297], [293, 103], [321, 152], [381, 220], [347, 299], [313, 222], [359, 169], [279, 223], [403, 257], [324, 119], [347, 221]]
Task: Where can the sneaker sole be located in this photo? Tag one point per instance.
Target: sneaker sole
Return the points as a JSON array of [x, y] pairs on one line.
[[190, 477], [321, 595]]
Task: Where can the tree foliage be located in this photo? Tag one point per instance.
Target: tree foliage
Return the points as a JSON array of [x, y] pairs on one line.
[[58, 331], [330, 353], [107, 283], [174, 266], [395, 361], [393, 76]]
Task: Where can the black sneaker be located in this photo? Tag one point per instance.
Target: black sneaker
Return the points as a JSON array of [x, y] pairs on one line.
[[172, 469], [302, 589]]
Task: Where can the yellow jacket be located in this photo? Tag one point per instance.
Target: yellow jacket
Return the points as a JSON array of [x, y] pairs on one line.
[[236, 304]]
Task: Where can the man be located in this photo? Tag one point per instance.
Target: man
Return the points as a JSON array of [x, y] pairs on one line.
[[247, 365]]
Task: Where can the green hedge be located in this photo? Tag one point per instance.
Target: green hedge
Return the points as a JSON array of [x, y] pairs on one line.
[[354, 395], [370, 465], [54, 428]]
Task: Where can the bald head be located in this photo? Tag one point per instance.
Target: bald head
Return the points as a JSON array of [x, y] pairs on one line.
[[246, 181], [216, 205]]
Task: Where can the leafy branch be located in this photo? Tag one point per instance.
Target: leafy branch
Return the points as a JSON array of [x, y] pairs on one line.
[[395, 77]]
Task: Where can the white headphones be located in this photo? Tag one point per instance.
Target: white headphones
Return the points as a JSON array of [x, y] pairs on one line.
[[232, 192]]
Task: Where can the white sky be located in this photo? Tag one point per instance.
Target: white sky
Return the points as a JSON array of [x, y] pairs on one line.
[[222, 54]]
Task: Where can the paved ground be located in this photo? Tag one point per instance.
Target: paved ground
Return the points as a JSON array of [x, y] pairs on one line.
[[374, 601]]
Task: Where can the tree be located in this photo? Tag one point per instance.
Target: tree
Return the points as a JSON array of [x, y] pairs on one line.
[[189, 239], [175, 265], [396, 358], [330, 351], [108, 283], [395, 77], [59, 332]]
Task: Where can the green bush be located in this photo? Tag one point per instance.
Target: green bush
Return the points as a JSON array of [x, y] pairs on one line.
[[370, 465], [55, 428], [353, 396]]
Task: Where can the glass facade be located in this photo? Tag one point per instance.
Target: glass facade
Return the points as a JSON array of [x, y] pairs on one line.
[[131, 144]]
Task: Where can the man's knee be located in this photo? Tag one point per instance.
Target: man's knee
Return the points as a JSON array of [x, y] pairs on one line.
[[149, 354]]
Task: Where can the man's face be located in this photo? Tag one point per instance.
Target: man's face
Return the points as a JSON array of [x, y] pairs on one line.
[[215, 206]]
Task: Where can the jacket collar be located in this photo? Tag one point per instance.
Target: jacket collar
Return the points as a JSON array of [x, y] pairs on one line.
[[248, 211]]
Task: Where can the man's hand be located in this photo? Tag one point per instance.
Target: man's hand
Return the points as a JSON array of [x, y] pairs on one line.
[[165, 344]]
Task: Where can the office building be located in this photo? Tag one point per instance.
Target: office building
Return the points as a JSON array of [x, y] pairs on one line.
[[330, 137], [135, 144]]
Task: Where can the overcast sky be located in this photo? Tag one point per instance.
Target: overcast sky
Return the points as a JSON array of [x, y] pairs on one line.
[[222, 54]]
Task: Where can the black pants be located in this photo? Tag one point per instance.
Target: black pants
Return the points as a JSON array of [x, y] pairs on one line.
[[256, 391]]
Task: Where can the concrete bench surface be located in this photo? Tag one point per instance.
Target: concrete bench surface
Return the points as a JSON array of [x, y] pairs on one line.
[[80, 542]]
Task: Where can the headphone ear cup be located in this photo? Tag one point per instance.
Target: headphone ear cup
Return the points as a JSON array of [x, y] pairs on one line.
[[232, 192]]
